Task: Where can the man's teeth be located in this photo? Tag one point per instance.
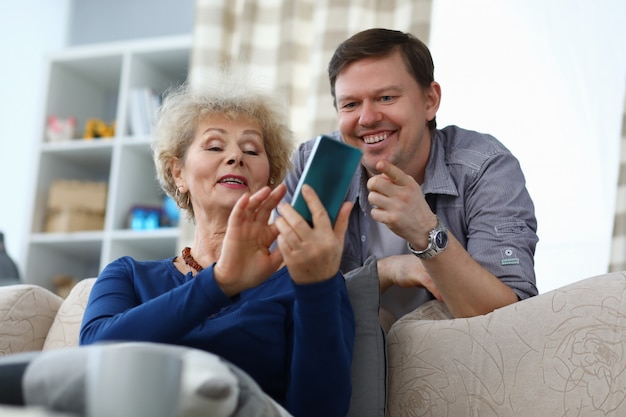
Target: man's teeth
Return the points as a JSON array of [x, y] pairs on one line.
[[374, 138]]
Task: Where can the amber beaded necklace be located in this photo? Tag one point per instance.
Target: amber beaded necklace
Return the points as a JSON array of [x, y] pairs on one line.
[[190, 261]]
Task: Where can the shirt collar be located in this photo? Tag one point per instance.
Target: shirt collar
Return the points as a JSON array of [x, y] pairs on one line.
[[438, 179]]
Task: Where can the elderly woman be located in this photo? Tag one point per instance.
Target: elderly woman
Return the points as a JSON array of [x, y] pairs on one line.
[[281, 315]]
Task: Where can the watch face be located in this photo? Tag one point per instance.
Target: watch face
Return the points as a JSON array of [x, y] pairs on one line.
[[441, 239]]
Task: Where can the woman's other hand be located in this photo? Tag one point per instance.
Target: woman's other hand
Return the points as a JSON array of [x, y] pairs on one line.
[[246, 259]]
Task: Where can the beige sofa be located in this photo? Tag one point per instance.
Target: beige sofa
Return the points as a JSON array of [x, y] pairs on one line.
[[562, 353], [33, 318]]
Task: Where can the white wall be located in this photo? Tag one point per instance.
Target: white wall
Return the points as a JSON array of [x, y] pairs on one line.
[[547, 78], [92, 21], [29, 29]]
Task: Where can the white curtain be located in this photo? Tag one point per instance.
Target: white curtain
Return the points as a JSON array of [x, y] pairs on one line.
[[618, 245], [289, 43]]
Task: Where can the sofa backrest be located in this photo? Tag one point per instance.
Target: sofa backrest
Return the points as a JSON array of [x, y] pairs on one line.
[[66, 325], [561, 353]]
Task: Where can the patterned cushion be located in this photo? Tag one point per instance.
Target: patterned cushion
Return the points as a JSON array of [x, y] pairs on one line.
[[66, 326], [26, 313], [561, 353]]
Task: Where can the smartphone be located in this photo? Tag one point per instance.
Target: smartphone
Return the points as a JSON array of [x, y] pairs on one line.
[[328, 171]]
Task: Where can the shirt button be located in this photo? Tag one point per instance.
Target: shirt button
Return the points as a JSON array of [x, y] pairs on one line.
[[362, 238]]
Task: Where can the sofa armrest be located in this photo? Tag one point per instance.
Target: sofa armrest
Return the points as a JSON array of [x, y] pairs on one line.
[[559, 353], [26, 314]]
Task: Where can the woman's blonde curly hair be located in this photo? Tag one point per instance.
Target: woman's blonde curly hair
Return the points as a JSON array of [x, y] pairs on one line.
[[231, 96]]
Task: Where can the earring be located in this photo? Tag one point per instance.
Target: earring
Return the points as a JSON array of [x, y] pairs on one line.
[[177, 197], [272, 181]]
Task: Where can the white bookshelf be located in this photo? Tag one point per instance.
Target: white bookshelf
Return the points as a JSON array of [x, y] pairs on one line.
[[94, 82]]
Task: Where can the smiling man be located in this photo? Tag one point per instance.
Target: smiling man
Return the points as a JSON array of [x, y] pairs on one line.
[[445, 211]]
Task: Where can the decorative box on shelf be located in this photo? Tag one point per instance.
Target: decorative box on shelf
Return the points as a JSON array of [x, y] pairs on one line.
[[75, 206]]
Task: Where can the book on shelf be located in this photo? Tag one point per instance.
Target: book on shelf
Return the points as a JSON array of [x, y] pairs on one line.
[[144, 104]]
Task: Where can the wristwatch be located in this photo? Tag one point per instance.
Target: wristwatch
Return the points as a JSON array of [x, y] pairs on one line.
[[437, 242]]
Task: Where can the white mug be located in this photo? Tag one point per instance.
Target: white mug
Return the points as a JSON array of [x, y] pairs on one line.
[[133, 380]]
